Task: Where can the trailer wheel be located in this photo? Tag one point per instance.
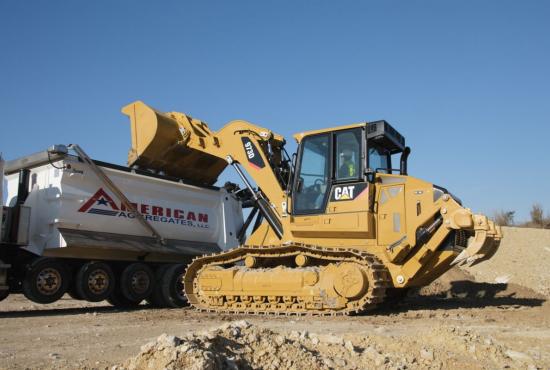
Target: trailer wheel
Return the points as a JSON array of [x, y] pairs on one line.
[[45, 281], [171, 286], [95, 281], [71, 290], [156, 298], [5, 291], [73, 293], [4, 294], [137, 282], [117, 299]]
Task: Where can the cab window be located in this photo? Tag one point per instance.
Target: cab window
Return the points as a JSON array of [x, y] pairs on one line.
[[379, 158], [348, 155], [313, 175]]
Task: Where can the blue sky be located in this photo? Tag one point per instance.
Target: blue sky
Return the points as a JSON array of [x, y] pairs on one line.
[[467, 82]]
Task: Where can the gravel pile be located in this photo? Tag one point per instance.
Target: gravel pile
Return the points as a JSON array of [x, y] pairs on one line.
[[236, 345], [521, 259], [240, 345]]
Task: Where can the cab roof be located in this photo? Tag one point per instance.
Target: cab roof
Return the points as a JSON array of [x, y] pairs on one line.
[[380, 132], [299, 136]]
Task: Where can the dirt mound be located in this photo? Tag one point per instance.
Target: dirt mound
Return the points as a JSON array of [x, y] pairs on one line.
[[236, 345], [443, 285], [240, 345], [519, 261], [460, 283], [464, 333]]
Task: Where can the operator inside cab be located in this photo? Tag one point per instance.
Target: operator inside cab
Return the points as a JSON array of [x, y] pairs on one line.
[[315, 170], [348, 165], [348, 156]]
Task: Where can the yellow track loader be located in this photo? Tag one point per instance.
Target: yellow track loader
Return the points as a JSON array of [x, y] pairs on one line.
[[335, 228]]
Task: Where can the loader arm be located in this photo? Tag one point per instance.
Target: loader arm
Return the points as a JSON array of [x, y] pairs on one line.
[[184, 147]]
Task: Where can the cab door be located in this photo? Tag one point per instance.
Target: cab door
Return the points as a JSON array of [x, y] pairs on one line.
[[347, 212], [342, 193]]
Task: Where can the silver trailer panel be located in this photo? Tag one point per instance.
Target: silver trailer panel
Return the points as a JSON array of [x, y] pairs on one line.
[[73, 213]]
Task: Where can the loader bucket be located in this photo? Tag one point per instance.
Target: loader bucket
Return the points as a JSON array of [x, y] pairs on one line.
[[163, 142]]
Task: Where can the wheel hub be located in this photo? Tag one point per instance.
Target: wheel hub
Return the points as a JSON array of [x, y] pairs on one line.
[[98, 281], [140, 282], [350, 280], [48, 281]]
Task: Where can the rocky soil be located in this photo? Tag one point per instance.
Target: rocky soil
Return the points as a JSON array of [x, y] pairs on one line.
[[520, 260], [241, 345], [464, 320]]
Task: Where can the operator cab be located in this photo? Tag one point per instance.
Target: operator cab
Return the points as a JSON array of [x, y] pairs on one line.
[[349, 154]]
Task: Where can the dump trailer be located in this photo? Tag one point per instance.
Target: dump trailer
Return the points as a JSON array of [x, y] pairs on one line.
[[102, 231], [338, 227]]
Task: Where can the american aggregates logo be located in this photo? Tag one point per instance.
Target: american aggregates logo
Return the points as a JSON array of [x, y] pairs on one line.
[[101, 203]]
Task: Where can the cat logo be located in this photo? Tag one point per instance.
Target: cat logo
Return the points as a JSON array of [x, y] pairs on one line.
[[344, 192], [348, 192]]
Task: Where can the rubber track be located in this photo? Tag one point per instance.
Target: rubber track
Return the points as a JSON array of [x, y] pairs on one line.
[[379, 277]]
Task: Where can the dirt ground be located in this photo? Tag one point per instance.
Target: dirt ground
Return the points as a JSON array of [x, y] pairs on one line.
[[520, 260], [460, 321]]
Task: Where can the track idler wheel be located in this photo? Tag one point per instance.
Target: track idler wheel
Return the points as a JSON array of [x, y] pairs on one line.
[[350, 280]]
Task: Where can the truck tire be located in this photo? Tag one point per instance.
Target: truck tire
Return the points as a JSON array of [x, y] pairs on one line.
[[171, 287], [4, 294], [46, 280], [117, 299], [72, 292], [168, 290], [95, 281], [4, 288], [4, 284], [156, 299], [137, 282]]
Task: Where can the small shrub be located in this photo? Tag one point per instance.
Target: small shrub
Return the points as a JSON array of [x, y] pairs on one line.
[[504, 218], [537, 215]]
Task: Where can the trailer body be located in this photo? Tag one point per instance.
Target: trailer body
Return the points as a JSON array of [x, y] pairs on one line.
[[58, 207]]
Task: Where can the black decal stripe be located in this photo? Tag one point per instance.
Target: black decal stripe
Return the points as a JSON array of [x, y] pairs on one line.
[[103, 212], [252, 153]]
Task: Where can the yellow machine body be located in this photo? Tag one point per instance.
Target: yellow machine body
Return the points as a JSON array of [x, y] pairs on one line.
[[375, 231]]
